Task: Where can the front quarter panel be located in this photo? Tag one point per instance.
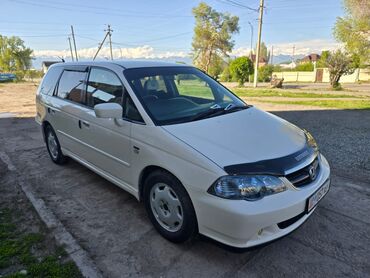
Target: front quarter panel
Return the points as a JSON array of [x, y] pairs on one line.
[[159, 148]]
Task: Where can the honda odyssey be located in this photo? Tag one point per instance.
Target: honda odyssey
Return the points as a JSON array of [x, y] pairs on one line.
[[199, 158]]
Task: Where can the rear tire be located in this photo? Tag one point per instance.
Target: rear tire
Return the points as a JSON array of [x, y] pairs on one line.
[[53, 146], [169, 207]]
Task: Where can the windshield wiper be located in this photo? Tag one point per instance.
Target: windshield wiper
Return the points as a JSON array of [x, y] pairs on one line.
[[218, 111], [232, 107], [208, 113]]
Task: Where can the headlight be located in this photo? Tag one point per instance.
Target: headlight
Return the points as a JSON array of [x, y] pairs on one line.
[[249, 188]]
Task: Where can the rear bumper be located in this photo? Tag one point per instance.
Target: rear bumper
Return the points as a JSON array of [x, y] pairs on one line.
[[245, 224]]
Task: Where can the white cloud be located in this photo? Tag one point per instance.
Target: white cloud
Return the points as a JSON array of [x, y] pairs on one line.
[[145, 51], [301, 47]]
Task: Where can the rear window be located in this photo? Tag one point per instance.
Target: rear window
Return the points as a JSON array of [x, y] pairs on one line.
[[47, 86]]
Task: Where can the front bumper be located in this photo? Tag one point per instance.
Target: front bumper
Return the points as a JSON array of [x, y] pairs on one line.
[[242, 224]]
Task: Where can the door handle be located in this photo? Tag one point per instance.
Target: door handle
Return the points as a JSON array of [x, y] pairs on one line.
[[86, 124]]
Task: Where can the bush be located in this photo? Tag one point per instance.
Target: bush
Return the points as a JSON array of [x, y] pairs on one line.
[[226, 75], [264, 73], [307, 66], [241, 68]]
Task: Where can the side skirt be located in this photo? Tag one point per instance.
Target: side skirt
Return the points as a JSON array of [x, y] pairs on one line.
[[130, 189]]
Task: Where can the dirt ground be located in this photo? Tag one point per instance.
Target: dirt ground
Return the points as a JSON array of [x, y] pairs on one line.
[[112, 227], [18, 100]]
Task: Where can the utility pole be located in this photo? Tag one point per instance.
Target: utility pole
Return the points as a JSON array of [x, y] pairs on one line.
[[101, 45], [74, 42], [109, 32], [251, 52], [258, 44], [70, 48]]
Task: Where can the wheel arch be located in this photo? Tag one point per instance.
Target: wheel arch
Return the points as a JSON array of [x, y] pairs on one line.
[[146, 172], [44, 125]]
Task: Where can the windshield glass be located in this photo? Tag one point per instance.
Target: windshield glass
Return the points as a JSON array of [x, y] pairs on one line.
[[180, 94]]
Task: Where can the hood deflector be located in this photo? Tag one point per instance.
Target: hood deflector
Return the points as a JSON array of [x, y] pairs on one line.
[[277, 166]]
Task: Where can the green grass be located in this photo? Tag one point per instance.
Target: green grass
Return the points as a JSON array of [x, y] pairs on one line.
[[198, 89], [16, 248], [194, 88], [340, 104], [246, 92]]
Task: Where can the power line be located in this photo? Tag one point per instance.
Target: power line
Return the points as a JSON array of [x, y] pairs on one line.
[[97, 12], [237, 4]]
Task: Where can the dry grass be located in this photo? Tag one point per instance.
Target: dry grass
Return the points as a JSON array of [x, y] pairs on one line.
[[18, 99]]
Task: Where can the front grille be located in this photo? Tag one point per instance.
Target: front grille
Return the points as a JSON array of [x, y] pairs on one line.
[[305, 175]]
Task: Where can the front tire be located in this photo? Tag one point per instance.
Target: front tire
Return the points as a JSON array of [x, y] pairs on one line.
[[169, 207], [53, 146]]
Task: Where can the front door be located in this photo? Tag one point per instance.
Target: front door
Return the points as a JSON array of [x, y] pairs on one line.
[[109, 143]]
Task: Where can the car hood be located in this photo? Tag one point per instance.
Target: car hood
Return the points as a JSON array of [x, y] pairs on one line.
[[245, 136]]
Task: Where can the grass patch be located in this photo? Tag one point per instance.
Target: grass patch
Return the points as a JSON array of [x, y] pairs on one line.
[[341, 104], [246, 92], [17, 249]]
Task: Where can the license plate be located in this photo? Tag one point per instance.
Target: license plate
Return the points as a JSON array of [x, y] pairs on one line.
[[317, 196]]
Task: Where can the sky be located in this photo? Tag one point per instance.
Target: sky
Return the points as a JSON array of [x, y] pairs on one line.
[[164, 29]]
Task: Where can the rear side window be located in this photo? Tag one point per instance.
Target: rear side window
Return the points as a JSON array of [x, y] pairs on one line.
[[71, 85], [47, 86], [103, 86]]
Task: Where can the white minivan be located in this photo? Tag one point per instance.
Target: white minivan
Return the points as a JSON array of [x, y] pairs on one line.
[[201, 160]]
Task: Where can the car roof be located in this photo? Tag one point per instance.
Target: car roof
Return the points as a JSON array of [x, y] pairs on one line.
[[127, 64]]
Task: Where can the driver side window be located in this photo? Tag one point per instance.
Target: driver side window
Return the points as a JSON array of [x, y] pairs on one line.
[[105, 86]]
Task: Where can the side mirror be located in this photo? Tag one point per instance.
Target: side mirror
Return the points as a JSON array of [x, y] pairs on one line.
[[108, 110]]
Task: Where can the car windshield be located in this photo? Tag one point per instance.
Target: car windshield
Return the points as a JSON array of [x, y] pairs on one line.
[[180, 94]]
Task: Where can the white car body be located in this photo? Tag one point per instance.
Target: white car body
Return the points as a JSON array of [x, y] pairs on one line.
[[197, 153]]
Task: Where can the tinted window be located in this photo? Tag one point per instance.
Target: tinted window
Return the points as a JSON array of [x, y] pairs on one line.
[[103, 86], [180, 94], [51, 78], [193, 86], [71, 85]]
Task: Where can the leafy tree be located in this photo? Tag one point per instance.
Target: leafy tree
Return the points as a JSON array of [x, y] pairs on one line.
[[264, 53], [212, 35], [217, 66], [306, 66], [265, 72], [339, 64], [226, 74], [241, 68], [354, 30], [14, 55], [321, 63]]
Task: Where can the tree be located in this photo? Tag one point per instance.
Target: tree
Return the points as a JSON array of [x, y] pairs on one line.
[[241, 68], [338, 64], [321, 63], [264, 53], [354, 30], [265, 72], [14, 55], [212, 35], [217, 66]]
